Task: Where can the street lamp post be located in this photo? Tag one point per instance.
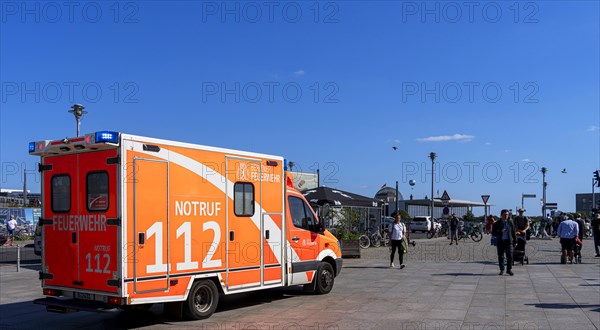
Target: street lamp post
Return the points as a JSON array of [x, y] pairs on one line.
[[432, 156], [78, 112], [544, 184]]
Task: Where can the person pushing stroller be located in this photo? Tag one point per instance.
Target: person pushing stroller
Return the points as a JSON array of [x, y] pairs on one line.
[[521, 227]]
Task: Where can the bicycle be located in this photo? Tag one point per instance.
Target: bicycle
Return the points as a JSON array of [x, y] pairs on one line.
[[470, 231], [370, 239]]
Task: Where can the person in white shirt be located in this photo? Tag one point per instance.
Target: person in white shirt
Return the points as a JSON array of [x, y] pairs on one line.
[[11, 226], [397, 233]]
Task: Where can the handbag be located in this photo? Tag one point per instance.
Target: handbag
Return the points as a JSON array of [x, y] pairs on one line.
[[578, 241], [494, 240]]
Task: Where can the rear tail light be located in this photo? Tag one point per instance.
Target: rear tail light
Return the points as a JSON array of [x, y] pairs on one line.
[[115, 301], [52, 292]]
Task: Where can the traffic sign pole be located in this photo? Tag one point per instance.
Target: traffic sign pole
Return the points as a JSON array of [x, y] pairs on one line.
[[485, 199]]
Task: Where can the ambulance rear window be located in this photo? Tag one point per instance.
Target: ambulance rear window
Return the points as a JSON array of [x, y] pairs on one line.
[[61, 193], [243, 199], [97, 191]]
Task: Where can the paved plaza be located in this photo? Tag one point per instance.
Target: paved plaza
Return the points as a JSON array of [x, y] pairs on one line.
[[442, 287]]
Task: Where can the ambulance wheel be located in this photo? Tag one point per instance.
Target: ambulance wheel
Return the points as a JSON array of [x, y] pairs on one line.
[[202, 301], [324, 278]]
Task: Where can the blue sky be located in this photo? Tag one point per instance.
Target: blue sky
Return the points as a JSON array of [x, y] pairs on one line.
[[497, 90]]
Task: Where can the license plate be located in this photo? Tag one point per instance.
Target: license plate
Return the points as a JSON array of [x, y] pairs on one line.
[[81, 295]]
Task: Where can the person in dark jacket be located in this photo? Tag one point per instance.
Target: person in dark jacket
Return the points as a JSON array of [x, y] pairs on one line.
[[504, 229]]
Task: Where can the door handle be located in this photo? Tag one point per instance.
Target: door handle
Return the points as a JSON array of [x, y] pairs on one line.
[[231, 236], [73, 237], [141, 238], [267, 234], [295, 239]]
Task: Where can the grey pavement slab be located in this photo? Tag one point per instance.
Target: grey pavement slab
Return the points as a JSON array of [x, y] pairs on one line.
[[438, 289]]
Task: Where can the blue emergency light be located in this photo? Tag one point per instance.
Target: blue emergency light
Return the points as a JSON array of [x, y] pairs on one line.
[[106, 136], [31, 146]]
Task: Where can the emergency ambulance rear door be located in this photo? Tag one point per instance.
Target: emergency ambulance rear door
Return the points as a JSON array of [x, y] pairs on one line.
[[61, 249], [81, 212]]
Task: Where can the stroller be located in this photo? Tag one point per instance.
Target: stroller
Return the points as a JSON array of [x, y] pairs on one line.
[[519, 252]]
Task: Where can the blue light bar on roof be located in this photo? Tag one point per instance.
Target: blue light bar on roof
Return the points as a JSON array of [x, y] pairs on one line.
[[31, 146], [106, 136]]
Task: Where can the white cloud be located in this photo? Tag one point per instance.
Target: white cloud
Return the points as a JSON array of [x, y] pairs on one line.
[[396, 141], [488, 143], [526, 160], [507, 150], [441, 138], [299, 73], [593, 128]]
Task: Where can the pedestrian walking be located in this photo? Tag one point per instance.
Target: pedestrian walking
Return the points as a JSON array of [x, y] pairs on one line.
[[398, 234], [596, 233], [488, 224], [542, 228], [521, 222], [504, 229], [11, 226], [567, 230], [453, 228], [579, 240]]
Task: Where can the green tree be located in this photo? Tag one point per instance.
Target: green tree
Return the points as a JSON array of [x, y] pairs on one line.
[[347, 224], [469, 216]]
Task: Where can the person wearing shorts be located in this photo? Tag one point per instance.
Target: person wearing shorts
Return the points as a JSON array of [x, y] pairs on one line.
[[567, 231], [11, 225]]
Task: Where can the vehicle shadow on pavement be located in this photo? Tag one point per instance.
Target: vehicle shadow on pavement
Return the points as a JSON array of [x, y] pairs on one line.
[[368, 267], [565, 306], [465, 274], [248, 299]]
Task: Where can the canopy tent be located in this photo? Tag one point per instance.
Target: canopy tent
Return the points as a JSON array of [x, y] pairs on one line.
[[336, 197]]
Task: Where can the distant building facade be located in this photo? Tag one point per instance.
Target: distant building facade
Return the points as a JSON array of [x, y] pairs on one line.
[[583, 203]]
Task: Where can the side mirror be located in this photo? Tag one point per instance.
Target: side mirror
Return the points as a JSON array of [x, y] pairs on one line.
[[320, 227]]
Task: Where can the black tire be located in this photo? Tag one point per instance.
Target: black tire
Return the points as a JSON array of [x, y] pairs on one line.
[[386, 239], [430, 234], [376, 240], [202, 300], [325, 278], [476, 236], [364, 241]]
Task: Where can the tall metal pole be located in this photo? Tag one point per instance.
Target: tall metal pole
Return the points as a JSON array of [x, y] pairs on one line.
[[544, 184], [25, 187], [432, 156], [593, 197], [397, 211], [78, 112]]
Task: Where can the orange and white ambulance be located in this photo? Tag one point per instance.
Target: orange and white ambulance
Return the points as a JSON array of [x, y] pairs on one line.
[[130, 221]]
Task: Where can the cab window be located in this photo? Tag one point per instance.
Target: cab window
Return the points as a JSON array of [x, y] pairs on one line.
[[60, 193], [243, 199], [302, 217], [97, 191]]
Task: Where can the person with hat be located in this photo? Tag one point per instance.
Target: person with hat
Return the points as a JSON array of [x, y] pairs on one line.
[[521, 222]]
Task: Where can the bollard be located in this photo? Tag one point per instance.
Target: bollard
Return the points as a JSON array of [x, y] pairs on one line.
[[18, 257]]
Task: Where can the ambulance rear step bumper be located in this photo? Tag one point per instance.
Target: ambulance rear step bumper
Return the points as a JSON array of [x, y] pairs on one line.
[[74, 305]]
